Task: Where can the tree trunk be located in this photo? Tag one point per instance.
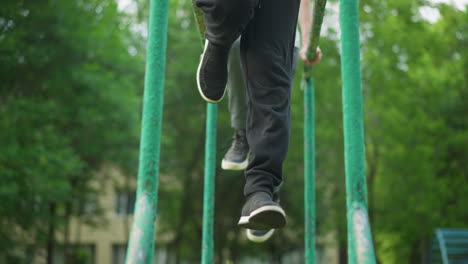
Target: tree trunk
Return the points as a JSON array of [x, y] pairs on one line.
[[342, 253], [423, 250], [126, 222], [414, 255], [66, 237], [187, 196], [234, 249], [342, 245], [51, 234], [372, 157]]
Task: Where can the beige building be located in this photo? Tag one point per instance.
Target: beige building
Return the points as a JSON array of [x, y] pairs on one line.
[[106, 243]]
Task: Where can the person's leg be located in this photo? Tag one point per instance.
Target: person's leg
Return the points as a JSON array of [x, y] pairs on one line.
[[236, 88], [236, 157], [267, 49], [224, 21], [260, 236]]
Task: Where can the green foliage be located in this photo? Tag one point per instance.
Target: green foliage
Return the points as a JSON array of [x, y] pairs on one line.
[[414, 84], [69, 95], [416, 122], [71, 73]]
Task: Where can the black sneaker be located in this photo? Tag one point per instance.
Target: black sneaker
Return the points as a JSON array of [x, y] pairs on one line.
[[212, 72], [236, 157], [260, 212], [259, 236]]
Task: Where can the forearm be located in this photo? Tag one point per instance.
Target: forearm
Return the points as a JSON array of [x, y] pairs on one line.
[[305, 22]]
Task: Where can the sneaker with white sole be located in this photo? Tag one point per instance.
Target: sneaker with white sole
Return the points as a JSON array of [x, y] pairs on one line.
[[260, 212], [212, 72], [236, 157], [260, 236]]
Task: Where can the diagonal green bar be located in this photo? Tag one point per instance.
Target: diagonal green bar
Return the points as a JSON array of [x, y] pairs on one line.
[[309, 171], [210, 163], [141, 245], [309, 135], [317, 19], [443, 249], [360, 246], [209, 184]]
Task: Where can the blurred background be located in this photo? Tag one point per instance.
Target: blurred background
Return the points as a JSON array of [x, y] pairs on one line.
[[71, 84]]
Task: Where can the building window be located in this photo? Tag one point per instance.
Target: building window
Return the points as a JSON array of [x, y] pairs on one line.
[[86, 206], [119, 253], [91, 205], [125, 202], [82, 254]]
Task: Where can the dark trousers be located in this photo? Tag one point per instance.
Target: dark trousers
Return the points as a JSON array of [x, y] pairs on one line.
[[267, 48]]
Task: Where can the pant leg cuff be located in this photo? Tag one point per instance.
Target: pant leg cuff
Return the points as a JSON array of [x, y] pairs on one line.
[[249, 191]]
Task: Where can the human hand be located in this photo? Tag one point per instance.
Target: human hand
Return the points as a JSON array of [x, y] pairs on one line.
[[303, 55]]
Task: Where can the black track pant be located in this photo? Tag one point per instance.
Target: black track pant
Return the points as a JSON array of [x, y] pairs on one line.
[[267, 46]]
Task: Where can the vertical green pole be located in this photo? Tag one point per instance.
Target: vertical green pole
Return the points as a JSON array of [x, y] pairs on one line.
[[360, 246], [209, 184], [210, 161], [141, 245], [309, 173], [317, 19], [309, 135]]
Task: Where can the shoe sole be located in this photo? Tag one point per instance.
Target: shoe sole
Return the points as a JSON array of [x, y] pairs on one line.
[[264, 218], [235, 166], [198, 78], [259, 239]]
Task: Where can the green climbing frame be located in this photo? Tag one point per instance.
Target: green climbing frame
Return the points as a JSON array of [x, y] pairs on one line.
[[360, 246], [309, 135], [141, 245]]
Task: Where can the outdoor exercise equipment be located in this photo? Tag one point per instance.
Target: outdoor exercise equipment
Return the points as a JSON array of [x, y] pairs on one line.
[[449, 246], [360, 246], [309, 135], [141, 245], [210, 161]]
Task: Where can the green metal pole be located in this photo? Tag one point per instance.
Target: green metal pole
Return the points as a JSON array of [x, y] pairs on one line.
[[209, 184], [317, 19], [309, 135], [210, 161], [141, 245], [309, 173], [360, 246]]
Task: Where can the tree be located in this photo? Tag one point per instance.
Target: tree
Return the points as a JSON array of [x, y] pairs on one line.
[[70, 86], [414, 82]]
